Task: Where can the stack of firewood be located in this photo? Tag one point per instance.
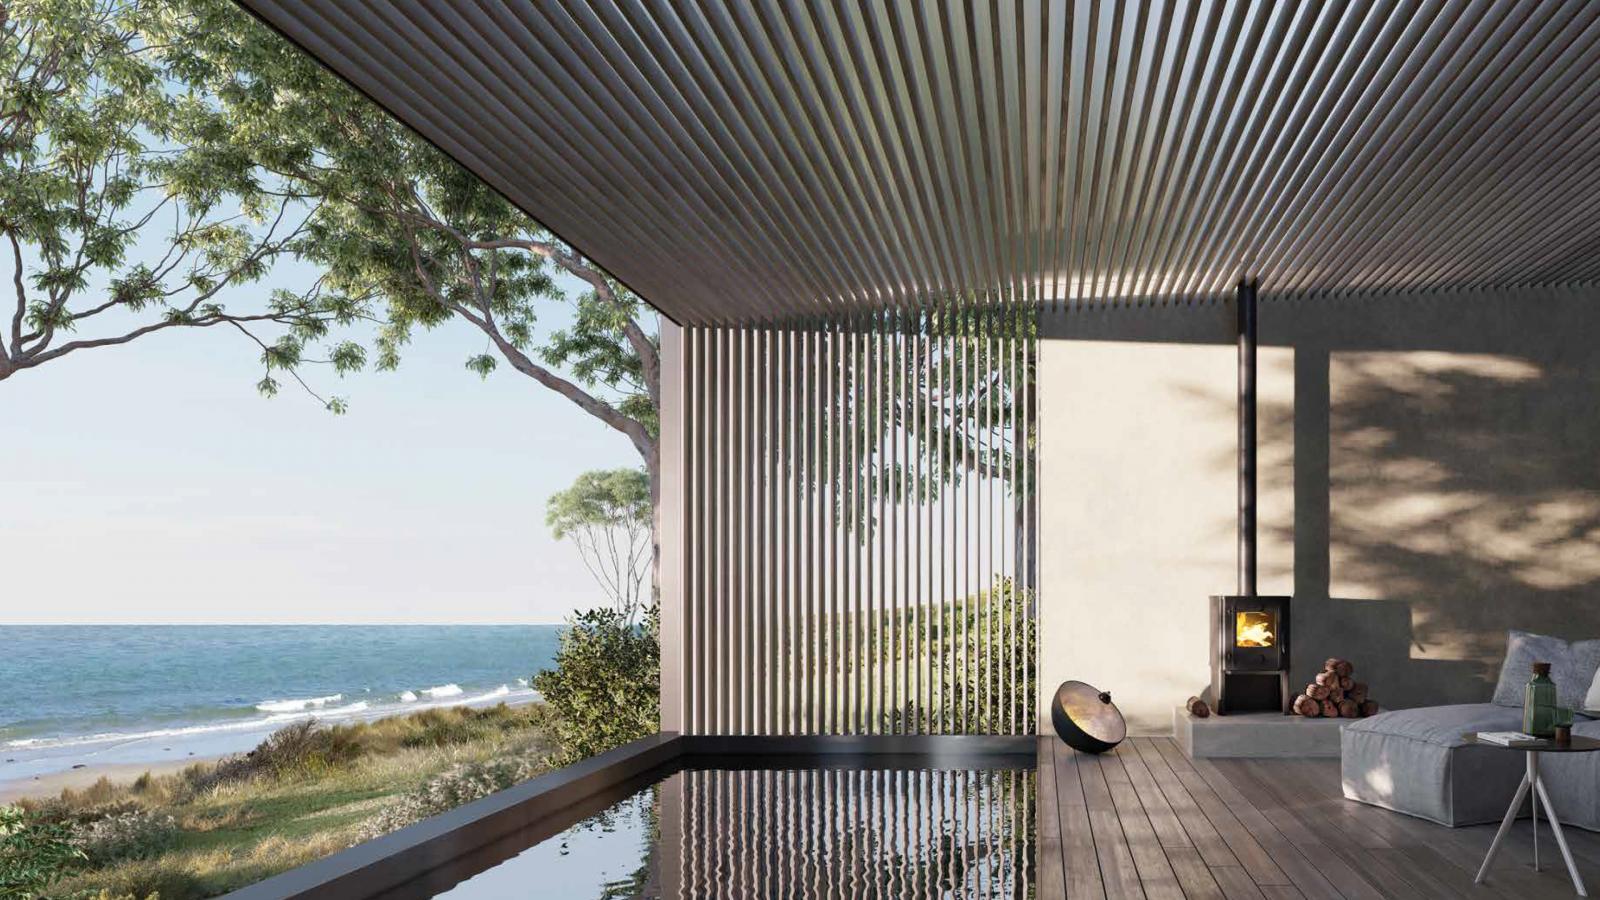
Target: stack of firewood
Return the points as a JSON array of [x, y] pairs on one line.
[[1335, 694]]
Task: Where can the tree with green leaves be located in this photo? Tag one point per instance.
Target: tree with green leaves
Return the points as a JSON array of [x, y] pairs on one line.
[[122, 212], [398, 221], [607, 514]]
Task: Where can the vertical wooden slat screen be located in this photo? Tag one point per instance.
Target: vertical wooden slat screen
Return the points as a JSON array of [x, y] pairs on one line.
[[859, 529], [856, 833]]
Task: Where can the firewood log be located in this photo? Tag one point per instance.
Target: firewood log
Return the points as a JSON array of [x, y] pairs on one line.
[[1346, 683], [1345, 668], [1197, 707], [1357, 692], [1369, 707], [1327, 679], [1317, 691], [1348, 709], [1305, 706], [1330, 709]]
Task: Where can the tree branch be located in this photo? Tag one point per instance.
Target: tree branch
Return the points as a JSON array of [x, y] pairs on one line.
[[201, 322], [605, 412], [643, 347]]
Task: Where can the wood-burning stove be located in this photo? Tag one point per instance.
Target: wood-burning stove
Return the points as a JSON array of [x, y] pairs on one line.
[[1249, 633], [1250, 654]]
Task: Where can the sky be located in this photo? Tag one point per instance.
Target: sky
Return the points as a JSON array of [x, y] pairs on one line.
[[150, 483]]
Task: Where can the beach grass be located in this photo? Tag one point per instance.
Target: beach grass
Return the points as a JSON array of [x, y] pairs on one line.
[[304, 793]]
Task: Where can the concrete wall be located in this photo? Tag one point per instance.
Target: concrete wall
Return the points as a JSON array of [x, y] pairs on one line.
[[1430, 478]]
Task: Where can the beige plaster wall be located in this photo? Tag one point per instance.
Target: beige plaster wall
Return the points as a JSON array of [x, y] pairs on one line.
[[1136, 513], [1430, 478]]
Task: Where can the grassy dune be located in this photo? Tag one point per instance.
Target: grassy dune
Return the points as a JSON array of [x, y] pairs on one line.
[[304, 793]]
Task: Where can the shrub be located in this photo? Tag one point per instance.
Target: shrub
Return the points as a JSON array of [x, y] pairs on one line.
[[130, 835], [33, 854], [604, 690], [449, 789]]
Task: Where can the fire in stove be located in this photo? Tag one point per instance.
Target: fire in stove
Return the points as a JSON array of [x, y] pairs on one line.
[[1253, 629], [1250, 637]]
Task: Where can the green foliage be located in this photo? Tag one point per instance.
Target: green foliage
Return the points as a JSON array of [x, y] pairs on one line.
[[398, 227], [310, 750], [126, 205], [608, 515], [449, 789], [998, 627], [605, 688], [189, 835], [33, 854], [135, 834], [157, 157], [608, 498]]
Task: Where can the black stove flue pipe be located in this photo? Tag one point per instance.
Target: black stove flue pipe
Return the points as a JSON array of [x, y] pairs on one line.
[[1246, 311]]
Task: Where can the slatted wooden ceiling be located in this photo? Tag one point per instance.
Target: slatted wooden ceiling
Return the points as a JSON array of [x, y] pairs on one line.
[[755, 160]]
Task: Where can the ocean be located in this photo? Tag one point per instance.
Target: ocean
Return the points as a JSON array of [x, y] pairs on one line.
[[70, 692]]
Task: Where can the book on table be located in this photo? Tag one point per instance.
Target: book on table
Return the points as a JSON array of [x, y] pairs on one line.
[[1506, 738]]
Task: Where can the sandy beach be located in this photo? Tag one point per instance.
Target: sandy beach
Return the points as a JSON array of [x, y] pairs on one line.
[[43, 771], [52, 783]]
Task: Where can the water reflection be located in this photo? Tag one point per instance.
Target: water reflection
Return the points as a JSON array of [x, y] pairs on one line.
[[791, 833]]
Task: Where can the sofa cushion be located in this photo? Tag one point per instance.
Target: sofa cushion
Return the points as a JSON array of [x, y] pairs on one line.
[[1415, 761], [1441, 725], [1572, 667]]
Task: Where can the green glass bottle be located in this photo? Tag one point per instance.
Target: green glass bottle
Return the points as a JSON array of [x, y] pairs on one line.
[[1539, 703]]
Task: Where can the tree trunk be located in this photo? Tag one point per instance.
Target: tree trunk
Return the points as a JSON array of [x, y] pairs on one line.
[[652, 468]]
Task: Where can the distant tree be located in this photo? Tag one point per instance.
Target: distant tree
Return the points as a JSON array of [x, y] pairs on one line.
[[121, 213], [607, 515]]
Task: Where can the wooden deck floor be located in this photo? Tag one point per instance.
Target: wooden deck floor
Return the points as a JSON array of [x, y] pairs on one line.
[[1146, 821]]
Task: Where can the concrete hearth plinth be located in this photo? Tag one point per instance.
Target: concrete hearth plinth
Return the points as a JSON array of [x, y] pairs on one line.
[[1256, 734]]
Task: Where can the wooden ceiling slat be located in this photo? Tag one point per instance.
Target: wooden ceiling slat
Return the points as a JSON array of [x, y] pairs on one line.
[[745, 161]]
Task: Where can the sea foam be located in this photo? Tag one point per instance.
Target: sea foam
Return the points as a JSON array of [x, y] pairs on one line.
[[283, 706], [443, 691]]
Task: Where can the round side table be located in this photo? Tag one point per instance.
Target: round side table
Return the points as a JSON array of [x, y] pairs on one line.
[[1533, 784]]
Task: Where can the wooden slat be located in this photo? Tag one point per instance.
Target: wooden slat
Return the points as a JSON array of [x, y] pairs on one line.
[[1316, 874], [1251, 854], [1162, 817], [1146, 821], [1077, 832], [1149, 857], [1051, 876], [1236, 883], [1193, 875], [1202, 834]]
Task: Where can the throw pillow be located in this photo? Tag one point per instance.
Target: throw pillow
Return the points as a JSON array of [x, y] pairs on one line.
[[1572, 667]]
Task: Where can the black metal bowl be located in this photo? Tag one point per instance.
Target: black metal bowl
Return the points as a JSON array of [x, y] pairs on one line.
[[1086, 719]]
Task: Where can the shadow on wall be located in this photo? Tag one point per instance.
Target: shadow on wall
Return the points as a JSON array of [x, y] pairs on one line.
[[1445, 474], [1447, 484]]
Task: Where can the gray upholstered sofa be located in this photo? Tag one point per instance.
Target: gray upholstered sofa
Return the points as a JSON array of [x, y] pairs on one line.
[[1415, 760]]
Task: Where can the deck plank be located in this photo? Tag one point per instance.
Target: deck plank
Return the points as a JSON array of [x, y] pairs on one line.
[[1145, 821], [1193, 875], [1253, 856], [1160, 813], [1050, 875], [1202, 834], [1117, 868], [1080, 859], [1160, 882], [1197, 775], [1236, 883]]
